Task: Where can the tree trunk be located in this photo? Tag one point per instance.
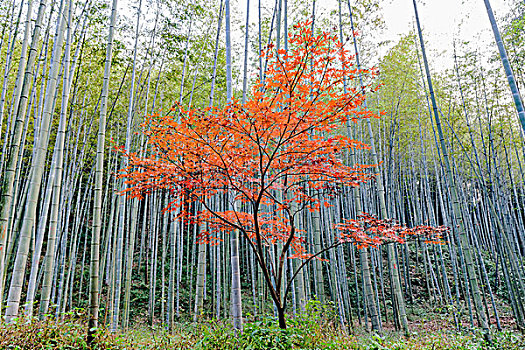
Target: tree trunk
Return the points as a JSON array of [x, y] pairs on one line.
[[506, 65], [99, 176], [281, 317]]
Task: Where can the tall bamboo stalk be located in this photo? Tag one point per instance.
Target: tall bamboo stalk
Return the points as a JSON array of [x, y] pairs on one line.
[[97, 191], [463, 239], [518, 102]]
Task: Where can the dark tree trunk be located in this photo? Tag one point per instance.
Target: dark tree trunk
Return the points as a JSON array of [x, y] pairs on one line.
[[280, 315]]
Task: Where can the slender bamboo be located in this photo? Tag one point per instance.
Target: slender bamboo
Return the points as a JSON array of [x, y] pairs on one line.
[[454, 196], [97, 192], [518, 102]]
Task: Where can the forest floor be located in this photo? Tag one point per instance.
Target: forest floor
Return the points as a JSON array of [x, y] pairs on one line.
[[304, 332]]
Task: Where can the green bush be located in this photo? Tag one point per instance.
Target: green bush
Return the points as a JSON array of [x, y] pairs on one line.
[[316, 328]]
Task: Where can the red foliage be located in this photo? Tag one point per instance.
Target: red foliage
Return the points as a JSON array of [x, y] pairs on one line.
[[369, 231], [270, 155]]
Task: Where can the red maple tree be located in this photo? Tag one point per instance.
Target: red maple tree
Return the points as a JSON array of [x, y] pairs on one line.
[[268, 156]]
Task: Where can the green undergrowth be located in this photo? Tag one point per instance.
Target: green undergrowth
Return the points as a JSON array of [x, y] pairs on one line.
[[315, 329]]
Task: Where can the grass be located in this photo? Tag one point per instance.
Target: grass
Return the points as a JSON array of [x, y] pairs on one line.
[[312, 330]]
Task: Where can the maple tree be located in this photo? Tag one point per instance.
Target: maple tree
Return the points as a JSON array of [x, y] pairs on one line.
[[268, 158]]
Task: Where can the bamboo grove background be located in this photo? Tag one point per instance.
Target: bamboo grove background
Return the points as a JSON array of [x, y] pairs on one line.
[[76, 79]]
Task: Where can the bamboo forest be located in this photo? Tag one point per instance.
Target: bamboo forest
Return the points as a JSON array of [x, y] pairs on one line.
[[262, 174]]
